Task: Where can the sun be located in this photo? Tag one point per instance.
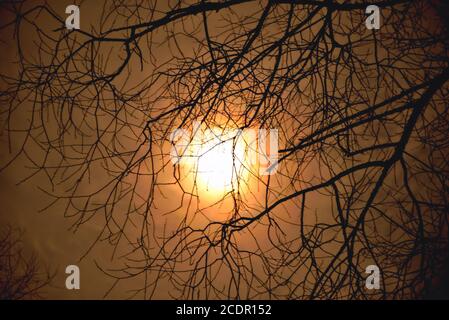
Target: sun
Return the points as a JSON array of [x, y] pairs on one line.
[[219, 163], [215, 159]]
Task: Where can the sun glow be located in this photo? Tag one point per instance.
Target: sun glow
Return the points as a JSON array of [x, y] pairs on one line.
[[220, 162], [216, 160]]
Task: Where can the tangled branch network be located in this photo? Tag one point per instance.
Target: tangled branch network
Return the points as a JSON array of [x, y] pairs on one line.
[[361, 116]]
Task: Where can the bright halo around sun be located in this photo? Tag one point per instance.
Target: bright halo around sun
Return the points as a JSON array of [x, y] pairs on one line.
[[215, 160], [220, 161]]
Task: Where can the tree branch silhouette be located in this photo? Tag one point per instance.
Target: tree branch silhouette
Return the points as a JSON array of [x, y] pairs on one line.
[[20, 274], [362, 118]]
